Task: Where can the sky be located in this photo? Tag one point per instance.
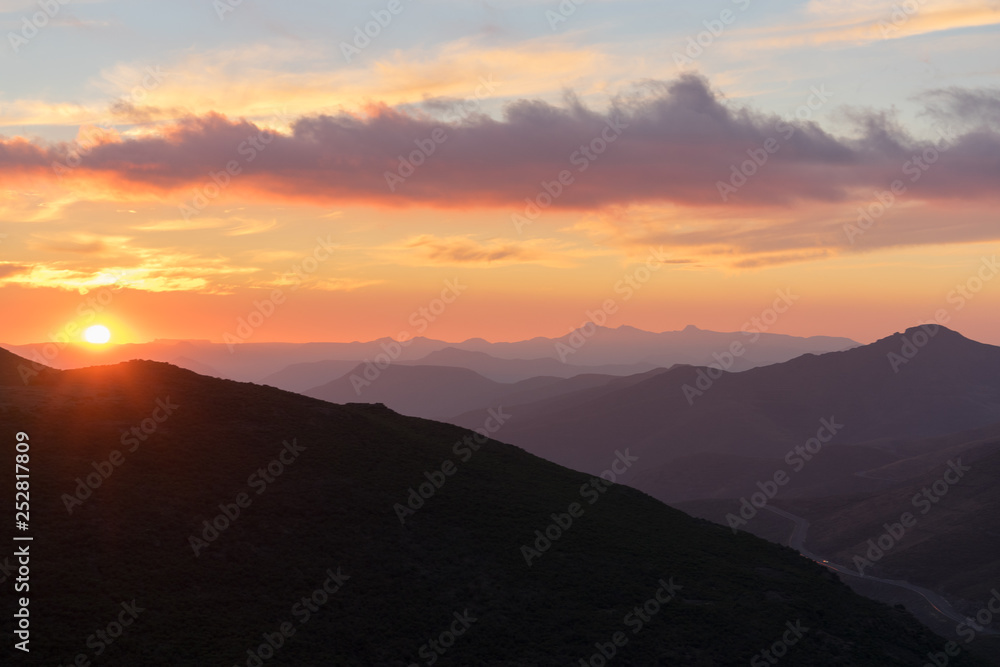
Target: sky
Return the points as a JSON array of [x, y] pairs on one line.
[[515, 169]]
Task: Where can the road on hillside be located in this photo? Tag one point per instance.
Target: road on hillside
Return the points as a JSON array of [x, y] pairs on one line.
[[797, 542]]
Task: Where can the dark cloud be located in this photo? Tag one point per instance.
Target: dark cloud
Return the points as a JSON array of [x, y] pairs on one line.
[[665, 142], [971, 108]]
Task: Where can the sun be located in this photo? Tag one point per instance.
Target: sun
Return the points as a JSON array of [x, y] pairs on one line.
[[97, 334]]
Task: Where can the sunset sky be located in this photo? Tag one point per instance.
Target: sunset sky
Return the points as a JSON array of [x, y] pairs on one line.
[[181, 161]]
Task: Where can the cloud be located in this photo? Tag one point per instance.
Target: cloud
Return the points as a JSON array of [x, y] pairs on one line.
[[180, 224], [462, 250], [774, 259], [662, 143], [159, 270], [741, 238], [657, 182], [320, 284], [971, 109], [7, 269], [311, 77], [864, 21], [12, 6], [82, 246]]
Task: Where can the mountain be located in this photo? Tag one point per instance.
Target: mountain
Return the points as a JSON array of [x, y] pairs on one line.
[[674, 420], [309, 374], [628, 349], [237, 361], [305, 376], [598, 345], [441, 392], [432, 392], [514, 370], [196, 366], [184, 520]]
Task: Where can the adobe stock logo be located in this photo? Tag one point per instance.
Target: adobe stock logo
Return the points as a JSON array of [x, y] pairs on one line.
[[771, 655], [38, 20], [754, 327], [636, 619], [698, 44], [582, 158], [796, 458], [363, 35], [924, 501], [546, 537], [417, 158], [85, 486], [757, 158], [436, 478]]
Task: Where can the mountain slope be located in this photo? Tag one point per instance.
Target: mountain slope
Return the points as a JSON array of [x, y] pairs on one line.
[[432, 392], [320, 484], [442, 392], [951, 384], [308, 375], [954, 544], [948, 542], [515, 370]]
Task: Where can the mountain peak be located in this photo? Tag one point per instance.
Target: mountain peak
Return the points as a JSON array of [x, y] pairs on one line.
[[933, 329], [923, 334]]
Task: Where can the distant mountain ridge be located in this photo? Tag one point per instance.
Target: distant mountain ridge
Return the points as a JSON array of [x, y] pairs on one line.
[[632, 349], [310, 375], [445, 392]]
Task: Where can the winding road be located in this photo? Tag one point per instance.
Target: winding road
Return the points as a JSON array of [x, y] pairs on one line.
[[797, 542]]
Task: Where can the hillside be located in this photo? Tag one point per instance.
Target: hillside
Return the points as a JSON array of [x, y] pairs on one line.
[[933, 524], [954, 546], [316, 485], [515, 370], [951, 384], [432, 392]]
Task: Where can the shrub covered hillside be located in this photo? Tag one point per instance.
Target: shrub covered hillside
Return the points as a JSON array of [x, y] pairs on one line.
[[184, 520]]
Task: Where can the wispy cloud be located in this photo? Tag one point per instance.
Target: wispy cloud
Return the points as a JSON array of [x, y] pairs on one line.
[[462, 250]]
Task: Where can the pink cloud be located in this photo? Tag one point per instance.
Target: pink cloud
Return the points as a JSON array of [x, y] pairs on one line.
[[671, 142]]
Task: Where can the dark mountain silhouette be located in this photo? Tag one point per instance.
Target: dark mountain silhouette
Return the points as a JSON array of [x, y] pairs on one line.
[[303, 495], [671, 418]]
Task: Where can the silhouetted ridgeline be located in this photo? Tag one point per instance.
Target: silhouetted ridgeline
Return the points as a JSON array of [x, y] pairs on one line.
[[295, 501]]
